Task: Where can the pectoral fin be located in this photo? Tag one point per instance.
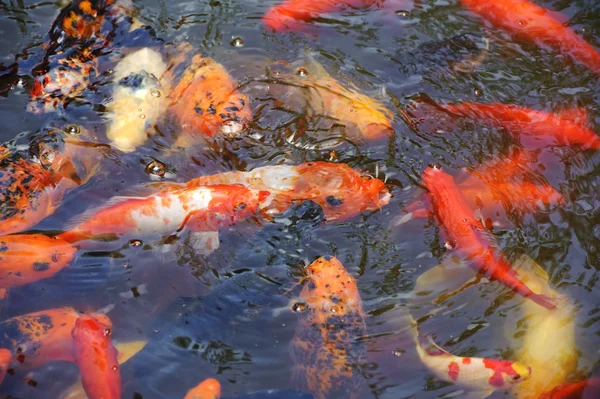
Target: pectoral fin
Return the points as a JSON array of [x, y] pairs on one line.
[[445, 281]]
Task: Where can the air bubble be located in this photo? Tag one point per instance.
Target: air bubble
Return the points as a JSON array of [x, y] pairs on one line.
[[300, 307], [403, 13], [143, 116], [156, 168], [136, 243], [107, 332], [73, 129], [302, 72], [155, 93], [237, 42], [478, 92], [115, 367], [398, 352]]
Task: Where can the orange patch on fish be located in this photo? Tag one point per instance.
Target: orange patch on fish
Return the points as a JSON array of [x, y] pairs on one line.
[[97, 358], [453, 370], [466, 360], [5, 361], [25, 259], [325, 350], [207, 389], [207, 101]]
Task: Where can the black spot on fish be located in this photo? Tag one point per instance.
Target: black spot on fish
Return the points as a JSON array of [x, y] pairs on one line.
[[3, 247], [198, 110], [240, 207], [331, 200], [212, 110], [232, 109], [41, 266]]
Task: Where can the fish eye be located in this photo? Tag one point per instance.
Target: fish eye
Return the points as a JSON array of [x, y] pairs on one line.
[[516, 377], [436, 166], [73, 129], [240, 207]]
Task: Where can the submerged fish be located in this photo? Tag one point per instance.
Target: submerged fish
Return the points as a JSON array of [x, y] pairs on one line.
[[25, 259], [206, 101], [365, 118], [35, 339], [547, 339], [511, 181], [5, 361], [481, 376], [207, 389], [139, 98], [288, 15], [325, 350], [96, 358], [198, 209], [536, 24], [341, 191], [586, 389], [567, 127], [469, 237]]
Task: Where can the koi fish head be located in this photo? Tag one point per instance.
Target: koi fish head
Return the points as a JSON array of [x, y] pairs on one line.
[[506, 373], [435, 176], [341, 191], [233, 203]]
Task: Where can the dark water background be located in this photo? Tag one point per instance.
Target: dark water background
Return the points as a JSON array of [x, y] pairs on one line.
[[227, 315]]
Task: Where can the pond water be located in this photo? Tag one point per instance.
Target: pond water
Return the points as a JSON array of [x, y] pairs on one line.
[[228, 315]]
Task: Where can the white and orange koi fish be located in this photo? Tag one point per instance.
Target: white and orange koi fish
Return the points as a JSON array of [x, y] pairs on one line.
[[481, 376], [198, 209]]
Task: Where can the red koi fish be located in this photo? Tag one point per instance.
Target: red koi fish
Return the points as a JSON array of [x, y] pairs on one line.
[[586, 389], [5, 361], [286, 16], [25, 259], [38, 338], [97, 358], [206, 101], [325, 350], [512, 182], [341, 191], [207, 389], [468, 235], [199, 209], [478, 375], [536, 24], [569, 127]]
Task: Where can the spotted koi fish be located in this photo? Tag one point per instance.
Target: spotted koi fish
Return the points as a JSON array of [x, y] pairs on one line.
[[536, 24], [570, 126], [38, 338], [468, 235], [325, 350], [481, 376], [97, 358], [341, 191], [288, 15], [25, 259], [207, 389], [198, 209], [207, 101]]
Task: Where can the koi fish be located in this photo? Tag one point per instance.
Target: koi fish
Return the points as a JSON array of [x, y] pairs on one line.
[[511, 181], [481, 376], [207, 389], [25, 259], [97, 358], [365, 118], [286, 16], [325, 350], [536, 24], [468, 235], [586, 389], [570, 126], [139, 98], [38, 338], [5, 361], [199, 209], [341, 191], [207, 101], [547, 340]]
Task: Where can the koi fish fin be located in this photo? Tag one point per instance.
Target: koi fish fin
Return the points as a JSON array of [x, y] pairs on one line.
[[433, 349], [203, 242], [578, 115], [85, 216], [444, 281]]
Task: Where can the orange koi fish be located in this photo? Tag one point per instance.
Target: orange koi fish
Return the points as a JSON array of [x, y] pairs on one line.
[[364, 117], [25, 259], [569, 127], [538, 25], [325, 350], [509, 180], [286, 16], [207, 389], [41, 337], [97, 358], [468, 235], [481, 376], [199, 209], [5, 361], [341, 191], [586, 389], [207, 101]]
